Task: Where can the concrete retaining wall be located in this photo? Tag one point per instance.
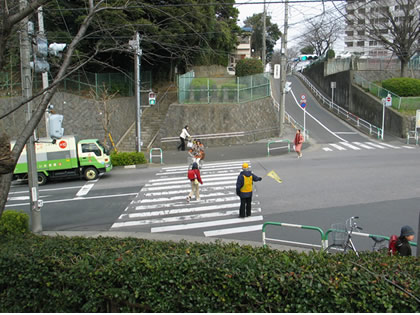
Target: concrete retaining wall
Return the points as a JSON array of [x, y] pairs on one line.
[[258, 119]]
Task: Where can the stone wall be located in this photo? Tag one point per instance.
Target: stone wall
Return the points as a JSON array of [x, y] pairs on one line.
[[81, 116], [209, 71], [257, 119]]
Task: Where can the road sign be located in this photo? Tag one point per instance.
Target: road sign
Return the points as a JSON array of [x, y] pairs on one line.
[[303, 97], [388, 100], [302, 104], [277, 71], [152, 98]]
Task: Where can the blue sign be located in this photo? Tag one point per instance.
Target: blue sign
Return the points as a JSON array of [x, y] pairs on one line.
[[303, 104]]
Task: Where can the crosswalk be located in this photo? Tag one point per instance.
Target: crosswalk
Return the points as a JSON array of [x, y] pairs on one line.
[[161, 204], [357, 146]]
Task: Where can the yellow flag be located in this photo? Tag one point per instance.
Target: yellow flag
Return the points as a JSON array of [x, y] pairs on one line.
[[274, 176]]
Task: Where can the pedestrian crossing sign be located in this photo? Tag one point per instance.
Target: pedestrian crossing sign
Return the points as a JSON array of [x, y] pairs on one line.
[[274, 176]]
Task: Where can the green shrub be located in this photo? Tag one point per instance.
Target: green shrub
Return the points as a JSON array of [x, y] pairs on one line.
[[403, 86], [330, 54], [248, 66], [59, 274], [14, 223], [127, 158]]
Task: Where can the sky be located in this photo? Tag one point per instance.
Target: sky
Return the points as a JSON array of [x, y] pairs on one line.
[[298, 13]]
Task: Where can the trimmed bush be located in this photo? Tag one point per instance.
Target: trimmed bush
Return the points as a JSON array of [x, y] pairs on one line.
[[248, 66], [403, 86], [330, 54], [14, 223], [127, 158], [58, 274]]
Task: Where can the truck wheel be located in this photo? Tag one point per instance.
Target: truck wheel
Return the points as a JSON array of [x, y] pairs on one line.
[[42, 179], [90, 173]]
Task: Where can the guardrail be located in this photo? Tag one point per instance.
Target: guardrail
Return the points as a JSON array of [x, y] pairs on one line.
[[207, 136], [277, 148], [359, 122], [324, 236], [413, 135], [298, 226], [160, 155]]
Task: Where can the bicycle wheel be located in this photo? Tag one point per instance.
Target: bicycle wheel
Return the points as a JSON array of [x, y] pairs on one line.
[[334, 249]]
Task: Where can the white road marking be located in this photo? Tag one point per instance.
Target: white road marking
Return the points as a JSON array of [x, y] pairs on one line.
[[76, 199], [350, 146], [345, 133], [236, 230], [325, 127], [164, 200], [185, 203], [326, 149], [390, 146], [185, 180], [203, 171], [337, 147], [84, 190], [171, 179], [207, 165], [42, 190], [363, 146], [204, 224], [188, 185], [186, 191], [175, 219], [407, 147], [375, 145]]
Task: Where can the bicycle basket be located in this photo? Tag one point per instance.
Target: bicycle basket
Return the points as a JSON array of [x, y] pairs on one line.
[[339, 233]]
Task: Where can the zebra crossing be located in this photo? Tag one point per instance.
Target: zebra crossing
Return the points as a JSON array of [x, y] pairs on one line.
[[357, 146], [161, 204]]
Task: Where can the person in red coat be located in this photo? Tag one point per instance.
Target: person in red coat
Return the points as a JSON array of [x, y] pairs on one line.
[[195, 178], [298, 143]]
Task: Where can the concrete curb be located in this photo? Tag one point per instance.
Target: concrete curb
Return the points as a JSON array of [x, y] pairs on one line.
[[167, 238]]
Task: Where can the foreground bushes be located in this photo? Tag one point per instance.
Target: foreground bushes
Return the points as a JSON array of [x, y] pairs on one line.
[[45, 274], [14, 223], [403, 86], [127, 158]]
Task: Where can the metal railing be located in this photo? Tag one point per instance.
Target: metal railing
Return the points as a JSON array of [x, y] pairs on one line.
[[357, 121], [208, 136], [413, 135], [277, 148], [151, 155], [297, 226]]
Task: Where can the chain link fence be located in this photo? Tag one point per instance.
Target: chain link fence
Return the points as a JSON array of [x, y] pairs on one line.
[[398, 102], [222, 90], [81, 83]]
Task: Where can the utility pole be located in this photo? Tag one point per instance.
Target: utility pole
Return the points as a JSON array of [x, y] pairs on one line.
[[283, 66], [263, 37], [41, 32], [137, 65], [26, 78]]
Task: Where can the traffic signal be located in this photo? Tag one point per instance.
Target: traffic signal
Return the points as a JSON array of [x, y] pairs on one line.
[[56, 49], [287, 87], [303, 58], [55, 129]]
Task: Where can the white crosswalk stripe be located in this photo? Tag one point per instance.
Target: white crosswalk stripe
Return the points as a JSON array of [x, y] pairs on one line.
[[357, 146], [162, 201]]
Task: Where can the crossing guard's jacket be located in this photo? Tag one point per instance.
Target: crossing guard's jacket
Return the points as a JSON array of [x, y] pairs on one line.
[[244, 184]]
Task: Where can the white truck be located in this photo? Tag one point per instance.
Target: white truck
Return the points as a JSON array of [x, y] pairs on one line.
[[67, 157]]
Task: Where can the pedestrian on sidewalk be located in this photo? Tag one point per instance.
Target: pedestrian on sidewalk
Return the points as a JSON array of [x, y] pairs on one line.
[[406, 236], [244, 190], [298, 143], [195, 178], [183, 136]]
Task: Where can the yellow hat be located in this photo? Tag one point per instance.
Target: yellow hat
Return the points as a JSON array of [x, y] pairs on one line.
[[245, 165]]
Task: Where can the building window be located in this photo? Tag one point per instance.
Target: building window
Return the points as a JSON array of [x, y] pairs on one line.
[[362, 11], [361, 43], [373, 43], [349, 44], [349, 33], [361, 32], [383, 31], [361, 22]]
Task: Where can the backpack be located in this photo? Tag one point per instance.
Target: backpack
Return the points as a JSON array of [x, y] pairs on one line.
[[191, 175], [392, 245]]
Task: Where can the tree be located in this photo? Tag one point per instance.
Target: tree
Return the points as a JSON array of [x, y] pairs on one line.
[[393, 24], [272, 31], [321, 33], [307, 50], [90, 36]]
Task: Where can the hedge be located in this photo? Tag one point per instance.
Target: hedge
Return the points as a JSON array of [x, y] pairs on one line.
[[14, 223], [59, 274], [248, 66], [403, 86], [127, 158]]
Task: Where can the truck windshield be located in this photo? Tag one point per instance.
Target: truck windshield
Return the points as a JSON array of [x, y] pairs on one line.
[[106, 151]]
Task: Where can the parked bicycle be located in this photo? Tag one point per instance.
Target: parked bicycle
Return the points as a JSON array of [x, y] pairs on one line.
[[342, 238]]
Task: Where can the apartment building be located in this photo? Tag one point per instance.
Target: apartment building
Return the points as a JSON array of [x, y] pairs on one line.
[[361, 15], [243, 50]]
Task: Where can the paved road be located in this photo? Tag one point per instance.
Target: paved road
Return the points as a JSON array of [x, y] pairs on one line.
[[374, 180]]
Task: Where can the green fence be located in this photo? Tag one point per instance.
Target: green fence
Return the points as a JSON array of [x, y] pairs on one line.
[[82, 82], [222, 90], [398, 102]]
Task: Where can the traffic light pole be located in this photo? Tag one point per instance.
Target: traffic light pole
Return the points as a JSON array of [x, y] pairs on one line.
[[41, 31], [26, 78], [138, 89], [283, 66]]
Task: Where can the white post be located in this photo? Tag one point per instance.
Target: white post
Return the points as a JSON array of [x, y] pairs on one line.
[[383, 118], [44, 74], [304, 121]]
